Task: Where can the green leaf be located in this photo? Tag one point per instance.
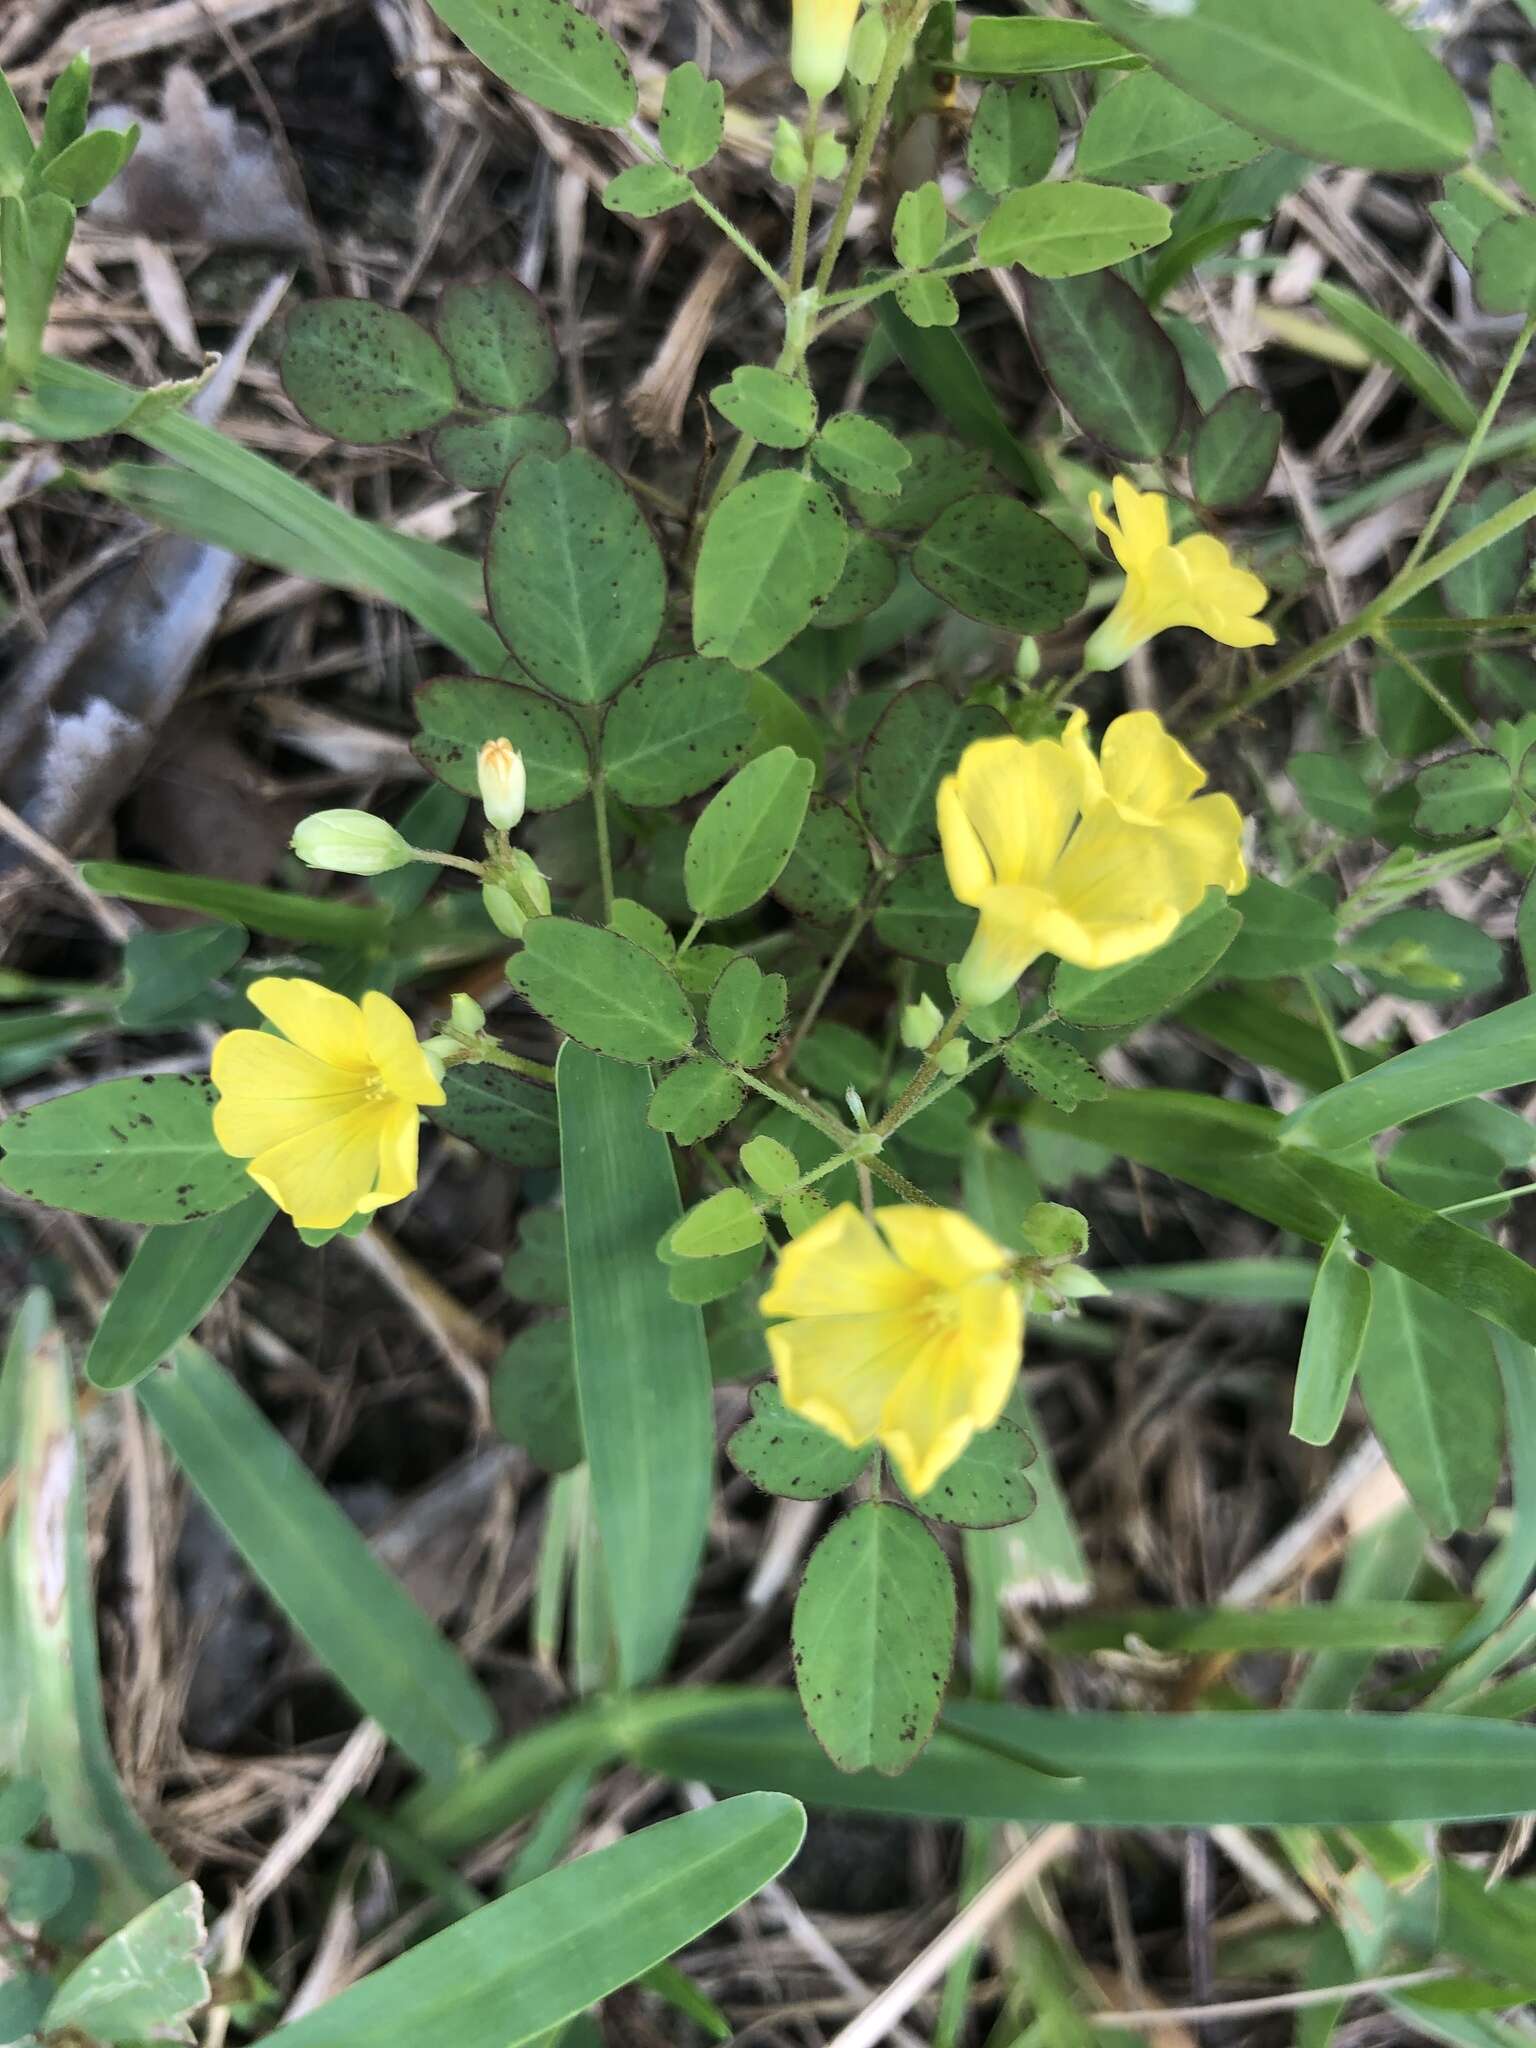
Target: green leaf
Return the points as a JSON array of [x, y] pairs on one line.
[[364, 372], [506, 1975], [1513, 100], [495, 335], [167, 969], [784, 1454], [1428, 955], [1331, 1343], [1114, 369], [694, 1100], [633, 921], [1233, 449], [1334, 792], [927, 301], [777, 410], [920, 917], [1284, 931], [746, 1013], [35, 234], [645, 190], [917, 233], [358, 1620], [602, 990], [1054, 1069], [1341, 80], [138, 1151], [705, 1280], [997, 561], [143, 1981], [458, 714], [1489, 583], [575, 579], [533, 1395], [537, 1271], [773, 549], [172, 1281], [1113, 998], [985, 1488], [1144, 131], [506, 1117], [1015, 132], [476, 454], [938, 473], [273, 911], [1004, 46], [17, 148], [725, 1223], [874, 1638], [1063, 230], [55, 1718], [1432, 1389], [744, 835], [1462, 215], [84, 169], [826, 876], [861, 453], [1388, 344], [692, 117], [679, 726], [919, 740], [1492, 1052], [642, 1365], [868, 579], [551, 53], [1462, 796], [1504, 266]]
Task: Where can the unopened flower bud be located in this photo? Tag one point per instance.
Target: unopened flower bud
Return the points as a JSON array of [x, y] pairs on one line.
[[465, 1014], [954, 1058], [818, 52], [920, 1023], [437, 1052], [1026, 663], [350, 843], [531, 883], [866, 48], [788, 165], [504, 910], [503, 783]]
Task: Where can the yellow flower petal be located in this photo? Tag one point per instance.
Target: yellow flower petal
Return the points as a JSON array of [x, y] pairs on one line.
[[399, 1142], [1011, 933], [1146, 771], [1143, 519], [1119, 890], [316, 1018], [840, 1371], [270, 1091], [956, 1385], [839, 1267], [1079, 751], [965, 858], [943, 1245], [395, 1053], [1210, 832], [1022, 797], [321, 1176]]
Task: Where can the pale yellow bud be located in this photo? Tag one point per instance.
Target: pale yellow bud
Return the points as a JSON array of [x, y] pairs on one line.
[[350, 843], [465, 1014], [818, 51], [920, 1023], [954, 1058], [503, 783]]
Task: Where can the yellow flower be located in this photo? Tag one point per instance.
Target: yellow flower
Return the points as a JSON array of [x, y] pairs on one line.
[[820, 33], [327, 1114], [1093, 861], [1195, 583], [910, 1333]]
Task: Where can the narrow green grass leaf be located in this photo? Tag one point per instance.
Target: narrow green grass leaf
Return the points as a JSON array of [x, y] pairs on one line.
[[1381, 1563], [361, 1624], [504, 1976], [642, 1365], [1390, 345], [1375, 1625], [305, 919], [174, 1278], [1337, 1315]]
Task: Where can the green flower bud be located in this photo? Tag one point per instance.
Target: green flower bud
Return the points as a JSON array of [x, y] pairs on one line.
[[466, 1015], [531, 883], [1054, 1231], [788, 164], [954, 1059], [920, 1023], [1026, 663], [504, 910], [503, 783], [866, 50], [350, 843]]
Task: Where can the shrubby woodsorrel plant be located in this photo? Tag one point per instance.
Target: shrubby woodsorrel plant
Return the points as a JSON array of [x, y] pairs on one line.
[[825, 726]]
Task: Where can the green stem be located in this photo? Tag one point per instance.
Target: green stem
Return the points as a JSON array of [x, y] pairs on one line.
[[897, 50], [491, 1055], [800, 235], [832, 1127], [450, 860], [733, 234], [604, 846], [1430, 687], [1470, 452], [866, 294], [917, 1087], [1490, 189], [834, 967], [689, 936]]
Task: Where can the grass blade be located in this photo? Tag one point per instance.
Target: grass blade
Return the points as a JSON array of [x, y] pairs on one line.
[[642, 1365], [174, 1278], [358, 1620]]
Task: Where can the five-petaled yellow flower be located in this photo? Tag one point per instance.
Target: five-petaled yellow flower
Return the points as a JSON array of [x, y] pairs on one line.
[[1194, 583], [907, 1331], [1095, 861], [328, 1114]]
